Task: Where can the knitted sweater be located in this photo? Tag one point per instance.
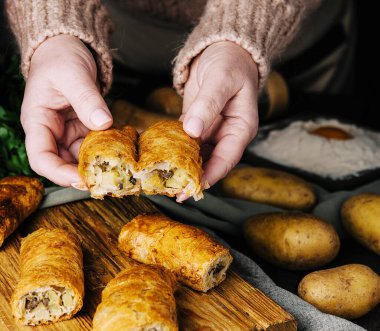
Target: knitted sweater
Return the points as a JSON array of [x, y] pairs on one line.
[[262, 27]]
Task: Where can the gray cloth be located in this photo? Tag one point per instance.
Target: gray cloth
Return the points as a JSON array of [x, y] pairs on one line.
[[226, 216]]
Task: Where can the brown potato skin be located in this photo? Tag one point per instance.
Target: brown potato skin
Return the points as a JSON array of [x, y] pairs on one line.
[[348, 291], [269, 186], [361, 218], [292, 240]]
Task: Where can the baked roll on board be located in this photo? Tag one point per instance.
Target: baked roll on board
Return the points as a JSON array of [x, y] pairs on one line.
[[107, 161], [19, 197], [51, 286], [190, 253], [138, 298], [169, 161]]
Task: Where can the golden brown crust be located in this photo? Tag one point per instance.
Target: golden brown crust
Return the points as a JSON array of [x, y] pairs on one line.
[[167, 143], [49, 258], [138, 298], [19, 197], [112, 144], [190, 253]]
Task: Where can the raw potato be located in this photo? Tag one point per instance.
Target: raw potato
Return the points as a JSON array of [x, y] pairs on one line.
[[165, 100], [361, 218], [292, 240], [349, 291], [269, 186]]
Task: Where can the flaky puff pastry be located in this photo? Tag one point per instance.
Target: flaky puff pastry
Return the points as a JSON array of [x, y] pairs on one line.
[[140, 298], [19, 197], [170, 162], [51, 286], [190, 253], [107, 161]]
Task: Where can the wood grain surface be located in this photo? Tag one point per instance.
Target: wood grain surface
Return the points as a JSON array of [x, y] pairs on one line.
[[233, 305]]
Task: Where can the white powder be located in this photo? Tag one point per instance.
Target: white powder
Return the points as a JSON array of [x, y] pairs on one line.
[[294, 146]]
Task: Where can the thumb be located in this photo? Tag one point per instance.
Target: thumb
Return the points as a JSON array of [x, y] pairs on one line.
[[89, 105], [211, 99]]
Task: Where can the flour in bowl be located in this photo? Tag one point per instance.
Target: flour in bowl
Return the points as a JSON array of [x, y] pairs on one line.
[[295, 146]]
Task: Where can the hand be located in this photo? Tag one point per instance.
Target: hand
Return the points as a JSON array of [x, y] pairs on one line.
[[61, 103], [220, 105]]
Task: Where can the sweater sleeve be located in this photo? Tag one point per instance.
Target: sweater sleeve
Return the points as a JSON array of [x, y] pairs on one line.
[[262, 27], [33, 21]]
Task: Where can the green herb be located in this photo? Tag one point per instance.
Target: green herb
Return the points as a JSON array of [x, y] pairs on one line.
[[13, 159]]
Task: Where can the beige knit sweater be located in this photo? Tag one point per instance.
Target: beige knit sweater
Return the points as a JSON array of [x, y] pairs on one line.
[[262, 27]]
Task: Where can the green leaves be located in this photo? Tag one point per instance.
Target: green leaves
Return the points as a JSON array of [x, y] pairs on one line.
[[13, 159]]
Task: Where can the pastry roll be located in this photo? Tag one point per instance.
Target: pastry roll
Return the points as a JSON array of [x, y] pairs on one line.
[[140, 298], [19, 197], [170, 161], [107, 160], [190, 253], [51, 286]]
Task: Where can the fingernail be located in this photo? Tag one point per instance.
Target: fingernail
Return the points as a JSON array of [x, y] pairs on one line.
[[194, 127], [181, 197], [80, 186], [100, 117], [205, 184]]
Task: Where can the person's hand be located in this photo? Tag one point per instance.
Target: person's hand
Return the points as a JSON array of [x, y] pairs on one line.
[[61, 103], [220, 106]]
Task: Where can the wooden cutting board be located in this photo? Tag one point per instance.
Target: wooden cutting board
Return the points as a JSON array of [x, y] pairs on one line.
[[233, 305]]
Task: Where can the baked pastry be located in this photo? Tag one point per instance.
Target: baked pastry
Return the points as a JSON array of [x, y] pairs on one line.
[[170, 161], [19, 197], [165, 100], [51, 286], [107, 161], [125, 113], [138, 298], [190, 253]]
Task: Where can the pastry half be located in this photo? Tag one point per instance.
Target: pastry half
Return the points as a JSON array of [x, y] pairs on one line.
[[170, 161], [107, 162], [141, 298], [51, 286], [19, 197], [190, 253]]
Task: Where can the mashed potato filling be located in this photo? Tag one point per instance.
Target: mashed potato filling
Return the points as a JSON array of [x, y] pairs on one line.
[[46, 304], [110, 176]]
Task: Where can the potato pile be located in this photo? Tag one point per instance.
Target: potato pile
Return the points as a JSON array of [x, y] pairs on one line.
[[297, 240]]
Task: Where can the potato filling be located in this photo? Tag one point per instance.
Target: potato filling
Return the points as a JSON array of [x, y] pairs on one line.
[[47, 304], [110, 175], [217, 269], [217, 272], [165, 179]]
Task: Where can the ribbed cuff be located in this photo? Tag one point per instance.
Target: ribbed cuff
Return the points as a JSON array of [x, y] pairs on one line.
[[263, 28], [33, 21]]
